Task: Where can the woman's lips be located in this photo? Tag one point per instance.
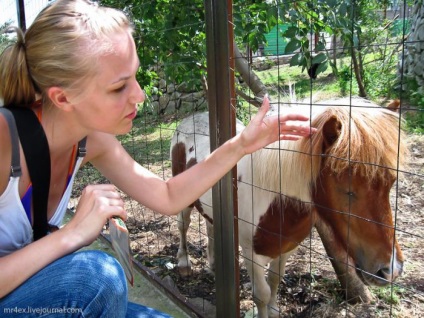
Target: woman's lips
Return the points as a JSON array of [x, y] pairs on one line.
[[132, 115]]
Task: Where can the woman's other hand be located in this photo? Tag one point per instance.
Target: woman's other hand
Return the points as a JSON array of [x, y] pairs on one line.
[[97, 204]]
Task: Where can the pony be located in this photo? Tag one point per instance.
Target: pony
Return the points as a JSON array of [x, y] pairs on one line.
[[338, 179]]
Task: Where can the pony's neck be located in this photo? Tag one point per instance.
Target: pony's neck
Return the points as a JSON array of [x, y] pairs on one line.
[[288, 171]]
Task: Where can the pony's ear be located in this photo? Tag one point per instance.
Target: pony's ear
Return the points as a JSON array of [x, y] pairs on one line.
[[394, 105], [331, 132]]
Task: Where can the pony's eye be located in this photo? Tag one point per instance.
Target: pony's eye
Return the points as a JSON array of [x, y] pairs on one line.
[[350, 193]]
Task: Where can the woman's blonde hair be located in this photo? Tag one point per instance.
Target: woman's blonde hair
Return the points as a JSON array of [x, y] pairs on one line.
[[60, 48]]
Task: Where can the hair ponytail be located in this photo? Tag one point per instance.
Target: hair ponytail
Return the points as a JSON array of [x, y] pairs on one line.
[[16, 86]]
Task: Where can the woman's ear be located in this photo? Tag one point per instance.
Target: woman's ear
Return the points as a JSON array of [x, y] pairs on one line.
[[59, 98]]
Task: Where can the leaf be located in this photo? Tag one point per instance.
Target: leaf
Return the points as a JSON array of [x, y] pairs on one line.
[[319, 58], [320, 46], [296, 59], [343, 9], [292, 46], [332, 3], [290, 32], [322, 67]]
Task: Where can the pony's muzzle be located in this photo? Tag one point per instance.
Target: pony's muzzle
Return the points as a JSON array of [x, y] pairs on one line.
[[383, 276], [389, 274]]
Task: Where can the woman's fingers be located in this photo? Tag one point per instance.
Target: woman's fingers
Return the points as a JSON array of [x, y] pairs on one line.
[[297, 129], [289, 137], [103, 198], [97, 204], [261, 114], [294, 117]]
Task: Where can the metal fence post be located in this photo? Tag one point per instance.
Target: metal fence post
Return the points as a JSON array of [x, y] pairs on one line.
[[222, 123], [20, 6]]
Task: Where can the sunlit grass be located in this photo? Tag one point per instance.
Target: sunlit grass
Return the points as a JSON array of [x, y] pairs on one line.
[[288, 83], [149, 141]]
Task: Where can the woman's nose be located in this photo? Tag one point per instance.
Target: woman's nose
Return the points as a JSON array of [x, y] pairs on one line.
[[138, 96]]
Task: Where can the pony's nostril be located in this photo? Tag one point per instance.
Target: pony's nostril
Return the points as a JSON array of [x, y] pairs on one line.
[[384, 273], [387, 274]]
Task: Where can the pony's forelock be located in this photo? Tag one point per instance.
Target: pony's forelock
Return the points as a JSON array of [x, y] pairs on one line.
[[371, 144]]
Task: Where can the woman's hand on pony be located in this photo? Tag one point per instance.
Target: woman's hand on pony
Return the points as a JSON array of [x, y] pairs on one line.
[[264, 130]]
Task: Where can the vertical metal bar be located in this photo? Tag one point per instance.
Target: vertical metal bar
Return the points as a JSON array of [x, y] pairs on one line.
[[221, 124], [233, 114], [20, 6]]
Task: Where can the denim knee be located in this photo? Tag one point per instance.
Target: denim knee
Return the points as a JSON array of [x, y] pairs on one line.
[[101, 275], [82, 284]]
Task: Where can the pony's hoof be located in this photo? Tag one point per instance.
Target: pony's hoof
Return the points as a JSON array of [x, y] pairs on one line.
[[273, 312], [184, 271]]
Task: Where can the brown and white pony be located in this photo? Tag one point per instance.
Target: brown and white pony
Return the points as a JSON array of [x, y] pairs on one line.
[[339, 178]]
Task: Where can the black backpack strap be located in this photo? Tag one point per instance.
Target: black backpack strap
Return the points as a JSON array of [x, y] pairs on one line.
[[37, 155], [15, 167], [81, 147]]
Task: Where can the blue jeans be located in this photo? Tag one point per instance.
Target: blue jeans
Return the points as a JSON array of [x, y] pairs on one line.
[[82, 284]]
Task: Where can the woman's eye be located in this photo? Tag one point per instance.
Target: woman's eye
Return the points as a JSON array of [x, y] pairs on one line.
[[119, 89]]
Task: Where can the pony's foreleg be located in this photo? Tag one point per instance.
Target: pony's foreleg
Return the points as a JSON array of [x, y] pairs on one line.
[[210, 249], [184, 264], [355, 290], [276, 271], [260, 288]]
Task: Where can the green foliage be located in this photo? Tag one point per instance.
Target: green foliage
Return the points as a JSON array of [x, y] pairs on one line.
[[415, 120], [400, 27], [4, 39], [389, 295], [361, 28], [379, 80], [171, 41], [279, 79], [344, 77], [171, 36], [308, 18], [244, 111], [252, 21]]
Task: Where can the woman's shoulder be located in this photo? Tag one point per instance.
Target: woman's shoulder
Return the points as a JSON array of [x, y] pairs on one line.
[[5, 138], [5, 153], [100, 144]]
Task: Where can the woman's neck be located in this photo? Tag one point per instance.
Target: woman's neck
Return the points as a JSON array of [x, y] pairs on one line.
[[61, 129]]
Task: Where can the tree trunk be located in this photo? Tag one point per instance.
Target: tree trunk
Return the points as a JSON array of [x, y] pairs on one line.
[[357, 70], [250, 79]]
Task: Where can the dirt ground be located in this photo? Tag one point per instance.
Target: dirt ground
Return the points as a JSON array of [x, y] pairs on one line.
[[309, 288]]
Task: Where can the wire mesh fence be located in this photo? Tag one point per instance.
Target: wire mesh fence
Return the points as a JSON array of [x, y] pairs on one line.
[[310, 285], [349, 234]]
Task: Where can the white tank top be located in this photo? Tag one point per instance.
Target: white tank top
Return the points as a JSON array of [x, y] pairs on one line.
[[15, 228]]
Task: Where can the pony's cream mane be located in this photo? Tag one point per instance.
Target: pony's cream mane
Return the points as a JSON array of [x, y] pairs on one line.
[[369, 140]]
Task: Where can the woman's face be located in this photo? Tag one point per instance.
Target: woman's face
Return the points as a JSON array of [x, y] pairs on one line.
[[109, 101]]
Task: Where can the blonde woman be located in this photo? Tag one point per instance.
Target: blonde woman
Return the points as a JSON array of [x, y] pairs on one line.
[[75, 69]]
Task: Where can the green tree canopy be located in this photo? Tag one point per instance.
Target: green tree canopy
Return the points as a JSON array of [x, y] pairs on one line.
[[171, 35], [171, 38]]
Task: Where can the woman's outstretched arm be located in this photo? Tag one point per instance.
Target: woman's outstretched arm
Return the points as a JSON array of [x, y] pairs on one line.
[[169, 197]]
